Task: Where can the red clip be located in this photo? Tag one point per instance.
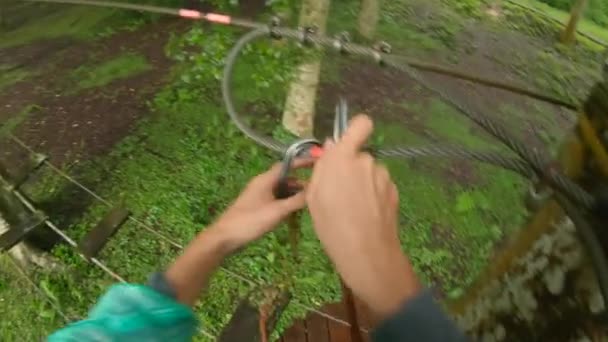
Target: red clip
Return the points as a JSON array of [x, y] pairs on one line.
[[316, 151]]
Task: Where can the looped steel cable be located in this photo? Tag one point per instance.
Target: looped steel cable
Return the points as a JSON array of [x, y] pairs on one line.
[[535, 162]]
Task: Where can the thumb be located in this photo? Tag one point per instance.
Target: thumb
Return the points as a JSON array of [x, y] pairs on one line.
[[289, 205]]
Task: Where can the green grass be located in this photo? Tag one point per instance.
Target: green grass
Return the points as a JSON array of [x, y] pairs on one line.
[[72, 21], [186, 161], [100, 74], [9, 125], [449, 229], [27, 314], [584, 25], [10, 76]]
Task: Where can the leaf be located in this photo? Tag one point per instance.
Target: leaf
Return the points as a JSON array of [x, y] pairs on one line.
[[47, 313], [44, 285], [270, 257], [455, 293], [465, 202]]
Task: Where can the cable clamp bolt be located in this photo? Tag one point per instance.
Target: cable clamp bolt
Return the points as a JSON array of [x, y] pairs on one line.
[[306, 34], [275, 22], [381, 48]]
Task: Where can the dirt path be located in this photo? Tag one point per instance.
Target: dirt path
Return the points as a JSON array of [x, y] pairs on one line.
[[88, 123]]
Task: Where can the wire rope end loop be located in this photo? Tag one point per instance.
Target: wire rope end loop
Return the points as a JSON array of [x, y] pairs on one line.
[[301, 148]]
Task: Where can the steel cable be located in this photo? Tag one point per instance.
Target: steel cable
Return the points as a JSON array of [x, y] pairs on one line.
[[535, 161]]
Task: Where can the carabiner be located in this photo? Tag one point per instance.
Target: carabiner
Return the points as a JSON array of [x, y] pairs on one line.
[[301, 148]]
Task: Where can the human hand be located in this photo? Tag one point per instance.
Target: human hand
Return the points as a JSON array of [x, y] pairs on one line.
[[256, 211], [354, 203]]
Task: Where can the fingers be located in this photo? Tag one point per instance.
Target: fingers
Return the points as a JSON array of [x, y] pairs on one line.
[[382, 178], [289, 205], [272, 175], [356, 135]]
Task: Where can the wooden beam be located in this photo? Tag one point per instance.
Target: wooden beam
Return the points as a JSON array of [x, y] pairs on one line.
[[97, 237], [22, 174]]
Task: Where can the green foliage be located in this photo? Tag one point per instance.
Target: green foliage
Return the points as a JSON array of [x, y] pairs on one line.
[[9, 125], [73, 21], [27, 314], [596, 11], [10, 75], [100, 74], [202, 54]]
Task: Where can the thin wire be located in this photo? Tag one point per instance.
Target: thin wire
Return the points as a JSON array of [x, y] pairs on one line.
[[54, 305], [93, 260], [154, 232], [69, 240]]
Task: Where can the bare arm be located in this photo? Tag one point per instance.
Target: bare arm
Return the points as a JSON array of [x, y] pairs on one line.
[[254, 213]]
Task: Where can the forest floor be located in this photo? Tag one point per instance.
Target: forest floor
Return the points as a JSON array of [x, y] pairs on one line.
[[130, 105]]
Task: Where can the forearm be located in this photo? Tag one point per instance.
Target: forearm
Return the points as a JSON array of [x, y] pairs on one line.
[[190, 272]]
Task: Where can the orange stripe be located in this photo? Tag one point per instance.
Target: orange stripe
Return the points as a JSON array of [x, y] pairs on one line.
[[218, 18], [191, 14]]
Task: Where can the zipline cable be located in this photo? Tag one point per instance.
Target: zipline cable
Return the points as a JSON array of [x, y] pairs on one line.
[[532, 158], [228, 20]]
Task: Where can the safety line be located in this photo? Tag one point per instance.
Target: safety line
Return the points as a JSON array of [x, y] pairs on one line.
[[159, 235], [228, 20]]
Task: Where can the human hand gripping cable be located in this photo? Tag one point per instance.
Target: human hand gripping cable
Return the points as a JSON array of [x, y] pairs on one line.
[[353, 203]]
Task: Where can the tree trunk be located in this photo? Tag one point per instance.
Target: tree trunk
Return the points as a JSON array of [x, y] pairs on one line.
[[542, 286], [299, 112], [569, 34], [549, 293], [368, 18]]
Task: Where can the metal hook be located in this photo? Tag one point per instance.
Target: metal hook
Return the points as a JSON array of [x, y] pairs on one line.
[[297, 149], [340, 119]]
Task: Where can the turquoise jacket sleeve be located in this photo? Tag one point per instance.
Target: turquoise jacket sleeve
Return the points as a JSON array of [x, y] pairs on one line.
[[129, 312]]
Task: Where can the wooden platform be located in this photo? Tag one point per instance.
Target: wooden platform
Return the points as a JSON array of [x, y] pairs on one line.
[[316, 328]]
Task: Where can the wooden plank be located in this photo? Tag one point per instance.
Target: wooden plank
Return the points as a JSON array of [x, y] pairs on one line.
[[16, 234], [97, 238], [317, 329], [297, 333], [23, 172], [338, 332], [366, 319], [245, 322]]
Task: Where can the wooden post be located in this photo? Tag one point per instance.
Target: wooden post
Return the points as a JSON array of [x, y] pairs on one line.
[[368, 18], [299, 112], [569, 34]]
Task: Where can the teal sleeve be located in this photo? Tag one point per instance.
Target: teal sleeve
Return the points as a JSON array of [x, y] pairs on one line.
[[129, 312]]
